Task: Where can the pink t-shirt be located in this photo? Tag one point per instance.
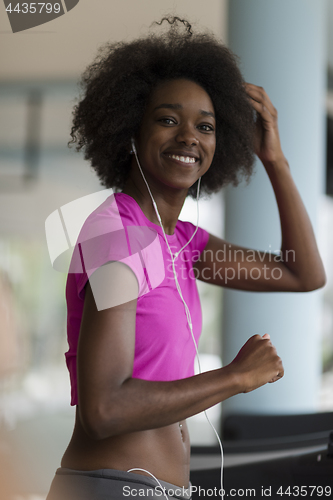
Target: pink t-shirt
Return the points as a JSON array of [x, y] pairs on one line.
[[118, 230]]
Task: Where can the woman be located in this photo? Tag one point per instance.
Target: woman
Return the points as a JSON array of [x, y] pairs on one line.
[[159, 115]]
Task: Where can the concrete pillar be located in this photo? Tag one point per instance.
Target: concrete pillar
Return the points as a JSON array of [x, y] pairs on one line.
[[282, 48]]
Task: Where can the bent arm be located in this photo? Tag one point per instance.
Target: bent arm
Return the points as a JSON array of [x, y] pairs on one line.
[[111, 402], [299, 268], [306, 271], [299, 249]]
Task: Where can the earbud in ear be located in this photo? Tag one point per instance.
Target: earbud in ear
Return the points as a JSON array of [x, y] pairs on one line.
[[133, 145]]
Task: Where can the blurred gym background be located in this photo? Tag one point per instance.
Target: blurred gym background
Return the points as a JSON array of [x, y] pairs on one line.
[[286, 48]]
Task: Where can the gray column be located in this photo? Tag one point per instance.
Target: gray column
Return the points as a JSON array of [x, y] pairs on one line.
[[282, 48]]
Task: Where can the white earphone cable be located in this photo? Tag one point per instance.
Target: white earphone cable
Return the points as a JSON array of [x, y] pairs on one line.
[[187, 311], [152, 475]]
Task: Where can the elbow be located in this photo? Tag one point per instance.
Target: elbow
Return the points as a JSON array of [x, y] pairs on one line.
[[97, 424], [321, 283], [316, 283]]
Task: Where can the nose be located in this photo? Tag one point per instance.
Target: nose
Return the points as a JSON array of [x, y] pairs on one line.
[[187, 135]]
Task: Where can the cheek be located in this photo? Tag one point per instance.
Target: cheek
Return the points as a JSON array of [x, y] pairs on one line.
[[156, 141], [148, 144], [211, 148]]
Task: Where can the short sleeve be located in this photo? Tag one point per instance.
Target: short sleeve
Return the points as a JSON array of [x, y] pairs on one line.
[[105, 239]]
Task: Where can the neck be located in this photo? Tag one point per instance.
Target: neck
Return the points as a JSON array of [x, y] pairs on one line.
[[169, 201]]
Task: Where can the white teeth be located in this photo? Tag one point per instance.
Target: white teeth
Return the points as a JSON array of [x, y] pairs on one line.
[[185, 159]]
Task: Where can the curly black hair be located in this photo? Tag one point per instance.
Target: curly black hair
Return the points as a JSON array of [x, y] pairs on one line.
[[117, 87]]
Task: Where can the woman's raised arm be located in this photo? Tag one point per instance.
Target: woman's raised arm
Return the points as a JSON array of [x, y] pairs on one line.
[[300, 268]]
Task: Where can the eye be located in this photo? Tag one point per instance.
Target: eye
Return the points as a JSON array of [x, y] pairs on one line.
[[167, 121], [205, 127]]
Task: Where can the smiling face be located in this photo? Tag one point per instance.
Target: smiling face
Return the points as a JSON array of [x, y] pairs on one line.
[[176, 141]]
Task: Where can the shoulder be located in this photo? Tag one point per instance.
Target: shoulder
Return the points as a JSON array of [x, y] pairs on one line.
[[114, 232], [115, 212], [102, 238], [108, 220]]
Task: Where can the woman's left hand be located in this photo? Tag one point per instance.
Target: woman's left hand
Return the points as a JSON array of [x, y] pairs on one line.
[[267, 139]]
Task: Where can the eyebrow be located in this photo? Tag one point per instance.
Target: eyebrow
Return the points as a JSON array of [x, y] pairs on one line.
[[179, 106]]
